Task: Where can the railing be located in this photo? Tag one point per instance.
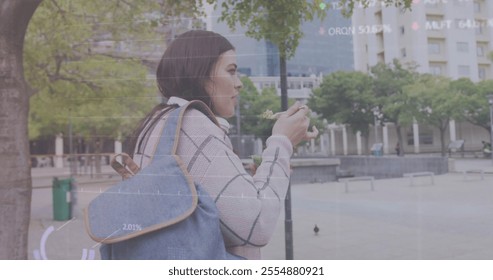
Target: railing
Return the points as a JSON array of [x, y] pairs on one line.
[[79, 164]]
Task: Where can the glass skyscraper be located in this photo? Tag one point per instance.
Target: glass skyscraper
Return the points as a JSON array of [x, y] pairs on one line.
[[325, 48]]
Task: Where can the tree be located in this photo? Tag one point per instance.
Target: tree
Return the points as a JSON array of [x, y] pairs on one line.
[[15, 183], [481, 100], [66, 69], [476, 107], [252, 104], [346, 97], [15, 15], [279, 22], [435, 103], [393, 102]]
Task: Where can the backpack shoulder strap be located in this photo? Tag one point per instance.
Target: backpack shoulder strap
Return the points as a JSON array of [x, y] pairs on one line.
[[128, 168], [170, 135]]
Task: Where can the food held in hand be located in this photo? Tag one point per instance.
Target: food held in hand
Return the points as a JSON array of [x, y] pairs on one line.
[[268, 114]]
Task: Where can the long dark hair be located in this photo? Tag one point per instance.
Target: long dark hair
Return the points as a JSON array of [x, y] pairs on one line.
[[183, 71]]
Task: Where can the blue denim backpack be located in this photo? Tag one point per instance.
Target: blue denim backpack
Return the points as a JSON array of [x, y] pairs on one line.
[[159, 213]]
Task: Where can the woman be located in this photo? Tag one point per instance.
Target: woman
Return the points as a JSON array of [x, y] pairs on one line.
[[201, 65]]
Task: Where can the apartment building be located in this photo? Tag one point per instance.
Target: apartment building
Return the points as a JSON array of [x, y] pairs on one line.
[[451, 38], [444, 37]]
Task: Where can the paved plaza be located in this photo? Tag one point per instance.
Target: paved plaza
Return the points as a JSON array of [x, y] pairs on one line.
[[450, 219]]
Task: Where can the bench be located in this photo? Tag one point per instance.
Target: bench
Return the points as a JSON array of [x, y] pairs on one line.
[[343, 174], [420, 174], [361, 178], [473, 171]]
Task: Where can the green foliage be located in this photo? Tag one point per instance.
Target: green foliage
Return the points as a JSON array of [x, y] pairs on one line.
[[475, 105], [73, 61], [478, 111], [252, 105], [435, 102], [346, 97], [107, 107], [349, 5], [276, 21], [389, 81], [393, 102]]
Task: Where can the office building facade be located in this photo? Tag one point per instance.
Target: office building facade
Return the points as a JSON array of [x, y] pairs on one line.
[[320, 51]]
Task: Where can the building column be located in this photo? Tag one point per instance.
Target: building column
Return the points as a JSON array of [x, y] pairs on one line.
[[385, 139], [312, 146], [453, 136], [322, 143], [118, 147], [258, 146], [332, 142], [344, 140], [358, 142], [416, 137], [59, 151]]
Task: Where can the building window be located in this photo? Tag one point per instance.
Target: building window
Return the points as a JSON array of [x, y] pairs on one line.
[[460, 3], [433, 47], [479, 27], [477, 7], [295, 85], [464, 70], [308, 84], [482, 73], [462, 47], [480, 50], [403, 52], [432, 4], [435, 69], [425, 137], [381, 57], [434, 18]]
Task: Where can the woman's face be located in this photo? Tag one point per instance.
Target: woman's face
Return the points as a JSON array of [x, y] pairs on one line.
[[224, 85]]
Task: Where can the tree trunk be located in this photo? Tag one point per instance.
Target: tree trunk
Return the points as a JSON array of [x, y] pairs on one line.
[[399, 140], [443, 127], [442, 141], [367, 145], [15, 169]]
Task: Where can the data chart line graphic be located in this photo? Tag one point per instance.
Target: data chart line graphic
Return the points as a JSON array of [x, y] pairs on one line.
[[40, 254]]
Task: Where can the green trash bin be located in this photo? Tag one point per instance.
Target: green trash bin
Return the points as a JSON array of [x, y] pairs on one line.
[[61, 199]]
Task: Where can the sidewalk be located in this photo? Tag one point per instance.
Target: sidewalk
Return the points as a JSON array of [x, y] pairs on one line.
[[448, 220]]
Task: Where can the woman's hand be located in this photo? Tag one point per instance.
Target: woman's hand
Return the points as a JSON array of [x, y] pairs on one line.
[[294, 124]]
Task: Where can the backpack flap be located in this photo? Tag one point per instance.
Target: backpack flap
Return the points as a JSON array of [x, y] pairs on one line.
[[151, 200], [160, 195]]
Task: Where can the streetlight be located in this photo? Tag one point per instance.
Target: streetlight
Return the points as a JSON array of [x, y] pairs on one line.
[[490, 101]]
